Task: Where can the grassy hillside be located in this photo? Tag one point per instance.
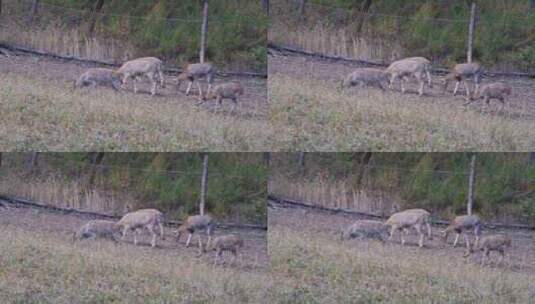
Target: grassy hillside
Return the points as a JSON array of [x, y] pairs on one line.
[[237, 183], [504, 35], [38, 267], [47, 114], [237, 30], [504, 183], [314, 115], [325, 270]]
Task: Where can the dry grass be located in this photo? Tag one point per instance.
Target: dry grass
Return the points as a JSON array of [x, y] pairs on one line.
[[62, 192], [329, 193], [325, 270], [42, 268], [313, 115], [40, 115]]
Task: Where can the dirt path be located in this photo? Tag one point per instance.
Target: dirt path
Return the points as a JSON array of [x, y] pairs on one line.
[[64, 73], [329, 223], [522, 101], [253, 258]]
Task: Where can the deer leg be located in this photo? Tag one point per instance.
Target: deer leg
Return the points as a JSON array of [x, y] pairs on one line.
[[466, 241], [201, 249], [219, 102], [486, 253], [161, 230], [200, 90], [209, 233], [421, 90], [456, 87], [419, 230], [189, 239], [125, 230], [392, 230], [429, 78], [391, 82], [467, 89], [456, 239], [234, 105], [162, 81], [151, 230], [189, 87], [154, 83]]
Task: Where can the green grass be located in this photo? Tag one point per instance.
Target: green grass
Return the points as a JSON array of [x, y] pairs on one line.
[[327, 271], [313, 115], [43, 115]]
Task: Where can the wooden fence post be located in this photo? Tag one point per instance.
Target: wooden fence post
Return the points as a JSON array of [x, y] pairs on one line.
[[203, 183], [471, 180], [471, 32], [203, 30], [265, 5]]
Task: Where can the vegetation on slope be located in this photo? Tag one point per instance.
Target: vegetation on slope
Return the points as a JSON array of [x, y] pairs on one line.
[[504, 182], [504, 33], [47, 115], [112, 182], [163, 28], [37, 267], [327, 271], [313, 115]]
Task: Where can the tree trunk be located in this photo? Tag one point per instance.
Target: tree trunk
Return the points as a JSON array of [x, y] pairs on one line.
[[204, 180], [32, 161], [364, 10], [0, 6], [33, 10], [471, 181], [267, 158], [301, 159], [265, 5], [204, 30], [96, 10], [471, 32], [364, 162], [96, 161], [0, 152], [301, 10], [532, 2]]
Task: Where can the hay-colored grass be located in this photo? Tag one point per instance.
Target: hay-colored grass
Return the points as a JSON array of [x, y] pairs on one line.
[[314, 115]]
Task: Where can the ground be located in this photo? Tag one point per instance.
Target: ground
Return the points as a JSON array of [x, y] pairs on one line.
[[308, 106], [39, 263], [42, 111], [304, 244]]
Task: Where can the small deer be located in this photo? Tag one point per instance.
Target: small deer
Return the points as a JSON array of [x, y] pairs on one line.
[[459, 225], [231, 242], [99, 76], [140, 219], [411, 218], [460, 73], [229, 90], [196, 71], [497, 242], [496, 90]]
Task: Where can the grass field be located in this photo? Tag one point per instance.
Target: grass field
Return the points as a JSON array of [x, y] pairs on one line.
[[304, 247], [40, 264], [310, 113], [41, 111]]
